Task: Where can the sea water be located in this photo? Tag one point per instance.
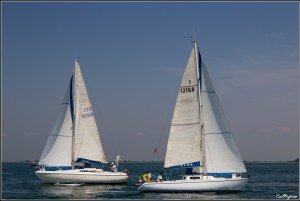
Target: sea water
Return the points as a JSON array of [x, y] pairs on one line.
[[267, 181]]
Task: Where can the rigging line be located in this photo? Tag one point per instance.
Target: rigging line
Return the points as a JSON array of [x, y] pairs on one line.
[[212, 165], [163, 131], [172, 104], [209, 91], [107, 133], [217, 98], [94, 103], [169, 175], [168, 115], [63, 103]]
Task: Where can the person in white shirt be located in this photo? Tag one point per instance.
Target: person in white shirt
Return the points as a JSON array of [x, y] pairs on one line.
[[159, 177], [113, 167]]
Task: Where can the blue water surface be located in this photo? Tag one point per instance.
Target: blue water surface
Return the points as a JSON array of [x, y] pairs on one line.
[[267, 181]]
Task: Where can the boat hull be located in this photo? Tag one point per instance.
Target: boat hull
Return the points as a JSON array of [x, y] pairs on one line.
[[77, 176], [216, 185]]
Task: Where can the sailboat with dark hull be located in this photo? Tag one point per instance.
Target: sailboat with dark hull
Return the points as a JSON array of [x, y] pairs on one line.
[[200, 140]]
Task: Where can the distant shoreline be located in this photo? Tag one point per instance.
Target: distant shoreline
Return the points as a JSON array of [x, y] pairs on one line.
[[30, 162]]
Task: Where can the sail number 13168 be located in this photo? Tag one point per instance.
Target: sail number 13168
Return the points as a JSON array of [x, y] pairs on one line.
[[187, 90]]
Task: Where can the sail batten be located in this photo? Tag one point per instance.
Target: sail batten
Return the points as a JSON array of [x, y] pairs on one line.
[[219, 133], [185, 124]]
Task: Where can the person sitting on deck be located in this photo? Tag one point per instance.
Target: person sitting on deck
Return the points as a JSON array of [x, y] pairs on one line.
[[113, 167], [159, 177]]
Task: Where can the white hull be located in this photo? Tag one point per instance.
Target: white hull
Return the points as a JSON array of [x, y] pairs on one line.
[[81, 176], [214, 185]]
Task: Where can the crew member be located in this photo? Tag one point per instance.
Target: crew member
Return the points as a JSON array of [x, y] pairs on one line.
[[113, 167], [159, 177]]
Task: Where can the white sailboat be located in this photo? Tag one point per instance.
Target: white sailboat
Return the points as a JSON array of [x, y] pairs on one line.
[[75, 142], [200, 139]]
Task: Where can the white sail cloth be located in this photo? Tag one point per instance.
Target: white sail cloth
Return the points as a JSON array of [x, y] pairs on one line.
[[220, 153], [87, 140], [83, 143], [58, 149], [184, 139]]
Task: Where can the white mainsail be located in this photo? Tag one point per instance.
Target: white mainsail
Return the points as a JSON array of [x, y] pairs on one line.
[[183, 147], [191, 145], [66, 145]]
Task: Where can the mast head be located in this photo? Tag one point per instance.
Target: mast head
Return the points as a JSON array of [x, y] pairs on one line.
[[194, 37], [77, 60]]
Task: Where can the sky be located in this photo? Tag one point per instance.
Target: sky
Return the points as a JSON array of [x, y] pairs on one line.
[[132, 56]]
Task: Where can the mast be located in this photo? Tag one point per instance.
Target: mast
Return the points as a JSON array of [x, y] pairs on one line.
[[199, 74], [73, 142], [74, 116]]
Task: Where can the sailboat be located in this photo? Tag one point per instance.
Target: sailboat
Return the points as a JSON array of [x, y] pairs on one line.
[[200, 140], [74, 145]]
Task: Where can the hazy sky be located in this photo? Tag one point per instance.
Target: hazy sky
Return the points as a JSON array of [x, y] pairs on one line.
[[132, 56]]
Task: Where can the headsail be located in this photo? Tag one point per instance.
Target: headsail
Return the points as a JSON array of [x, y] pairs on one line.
[[57, 152], [222, 155]]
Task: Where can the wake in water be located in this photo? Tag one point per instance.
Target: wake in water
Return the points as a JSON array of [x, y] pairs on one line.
[[59, 184]]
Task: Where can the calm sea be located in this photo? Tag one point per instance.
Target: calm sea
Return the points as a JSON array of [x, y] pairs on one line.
[[267, 181]]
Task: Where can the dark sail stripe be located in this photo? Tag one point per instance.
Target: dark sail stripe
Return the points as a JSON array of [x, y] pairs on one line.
[[200, 69], [71, 99]]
